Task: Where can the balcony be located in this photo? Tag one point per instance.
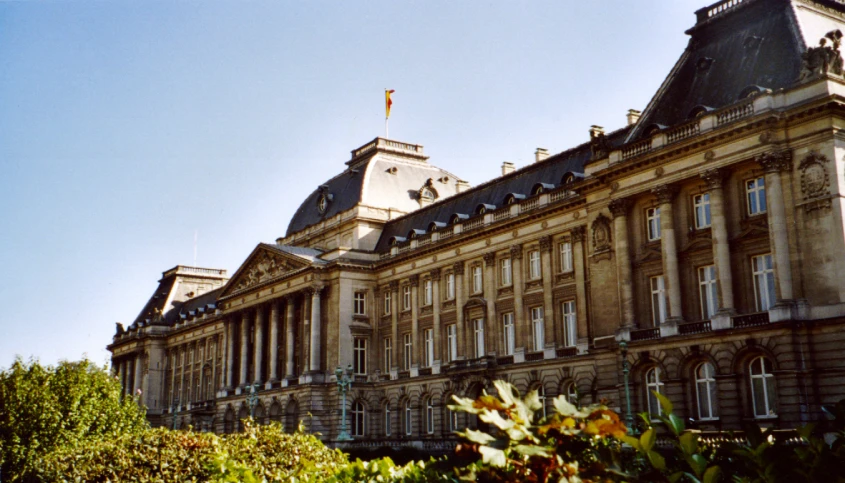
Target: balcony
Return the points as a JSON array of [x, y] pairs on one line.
[[645, 334], [534, 356], [566, 352], [750, 320], [691, 328]]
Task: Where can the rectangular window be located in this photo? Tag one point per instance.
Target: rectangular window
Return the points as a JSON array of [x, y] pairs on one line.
[[566, 257], [387, 424], [453, 420], [505, 272], [428, 336], [387, 302], [658, 300], [478, 325], [507, 322], [477, 281], [452, 342], [406, 297], [538, 329], [359, 303], [707, 290], [534, 269], [701, 206], [427, 294], [764, 281], [408, 354], [755, 190], [652, 216], [450, 286], [387, 354], [359, 349], [570, 324]]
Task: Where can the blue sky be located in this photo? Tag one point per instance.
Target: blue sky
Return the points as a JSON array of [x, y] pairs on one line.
[[127, 126]]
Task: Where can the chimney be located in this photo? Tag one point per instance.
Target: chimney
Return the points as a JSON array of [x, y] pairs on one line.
[[461, 186], [507, 168], [633, 116], [541, 154], [596, 131]]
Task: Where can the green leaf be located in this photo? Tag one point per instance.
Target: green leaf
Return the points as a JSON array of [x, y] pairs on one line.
[[689, 443], [665, 403], [631, 441], [711, 475], [698, 464], [647, 439], [676, 424], [492, 456], [656, 460]]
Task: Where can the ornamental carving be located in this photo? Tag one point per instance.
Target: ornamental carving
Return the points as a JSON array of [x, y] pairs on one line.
[[546, 243], [264, 267], [435, 274], [815, 181], [601, 233], [414, 279], [665, 193], [516, 252], [458, 268], [823, 59], [619, 207], [578, 234], [775, 161], [714, 178], [489, 259]]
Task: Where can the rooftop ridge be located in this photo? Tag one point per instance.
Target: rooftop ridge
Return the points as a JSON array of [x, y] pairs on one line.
[[200, 271]]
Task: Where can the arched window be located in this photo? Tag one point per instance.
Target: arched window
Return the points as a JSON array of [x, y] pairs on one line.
[[358, 419], [387, 424], [705, 391], [541, 395], [429, 417], [406, 418], [571, 392], [762, 387], [653, 384]]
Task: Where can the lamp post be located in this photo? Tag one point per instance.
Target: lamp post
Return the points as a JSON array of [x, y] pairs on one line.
[[174, 408], [629, 417], [252, 399], [344, 382]]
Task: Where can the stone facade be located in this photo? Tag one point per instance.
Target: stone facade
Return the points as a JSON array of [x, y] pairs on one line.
[[715, 247]]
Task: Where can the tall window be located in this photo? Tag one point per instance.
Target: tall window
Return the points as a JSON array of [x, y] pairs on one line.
[[652, 216], [507, 322], [429, 417], [701, 206], [387, 422], [565, 257], [453, 420], [653, 384], [658, 300], [705, 391], [452, 342], [358, 419], [387, 302], [406, 297], [534, 269], [407, 418], [427, 297], [505, 272], [764, 281], [477, 281], [450, 286], [571, 392], [478, 325], [755, 191], [762, 387], [387, 354], [428, 336], [538, 328], [359, 349], [409, 346], [570, 324], [541, 394], [359, 303], [708, 291]]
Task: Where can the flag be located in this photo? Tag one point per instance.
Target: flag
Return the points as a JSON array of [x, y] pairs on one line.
[[387, 102]]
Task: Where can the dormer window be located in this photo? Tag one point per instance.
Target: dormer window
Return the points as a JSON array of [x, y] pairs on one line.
[[427, 194], [513, 198], [322, 204]]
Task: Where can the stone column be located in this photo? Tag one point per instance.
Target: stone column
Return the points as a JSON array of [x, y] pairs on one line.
[[619, 208], [183, 353], [230, 354], [719, 234], [289, 336], [395, 343], [460, 300], [244, 349], [274, 342], [548, 296], [524, 331], [435, 311], [258, 346], [578, 237], [314, 365], [490, 290], [416, 359], [774, 164], [668, 243], [139, 373], [174, 357], [121, 374]]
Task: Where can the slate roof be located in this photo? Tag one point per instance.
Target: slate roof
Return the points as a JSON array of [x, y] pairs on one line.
[[308, 254], [200, 301], [156, 301]]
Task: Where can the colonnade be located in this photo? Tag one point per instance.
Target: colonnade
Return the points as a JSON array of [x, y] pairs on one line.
[[130, 372]]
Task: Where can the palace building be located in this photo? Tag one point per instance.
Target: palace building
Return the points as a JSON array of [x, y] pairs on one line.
[[707, 234]]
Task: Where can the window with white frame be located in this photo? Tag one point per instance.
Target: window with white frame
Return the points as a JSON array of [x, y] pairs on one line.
[[541, 395], [359, 303], [538, 328], [653, 384], [652, 216], [428, 337], [407, 415], [453, 420], [429, 417], [452, 342], [359, 349], [407, 355], [764, 281], [708, 291], [705, 391], [535, 270], [477, 281], [755, 192], [658, 300], [387, 423], [762, 387], [478, 326], [406, 297], [570, 324], [359, 418], [450, 286], [427, 292], [387, 302], [571, 393], [508, 332], [701, 208], [387, 354], [505, 272], [565, 249]]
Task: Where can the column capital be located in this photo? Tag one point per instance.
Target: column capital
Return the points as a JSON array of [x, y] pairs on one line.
[[414, 279], [714, 177], [546, 243], [579, 233], [315, 289], [775, 161], [458, 268], [435, 274], [620, 206], [489, 258], [516, 252], [393, 285], [665, 193]]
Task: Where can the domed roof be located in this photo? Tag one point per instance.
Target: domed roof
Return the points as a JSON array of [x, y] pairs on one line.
[[382, 174]]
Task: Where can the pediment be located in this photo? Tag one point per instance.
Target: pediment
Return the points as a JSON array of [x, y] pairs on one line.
[[263, 265]]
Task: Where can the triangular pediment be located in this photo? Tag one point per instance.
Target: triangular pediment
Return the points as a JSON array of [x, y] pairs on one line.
[[264, 264]]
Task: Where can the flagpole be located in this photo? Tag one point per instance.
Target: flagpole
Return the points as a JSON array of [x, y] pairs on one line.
[[386, 131]]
